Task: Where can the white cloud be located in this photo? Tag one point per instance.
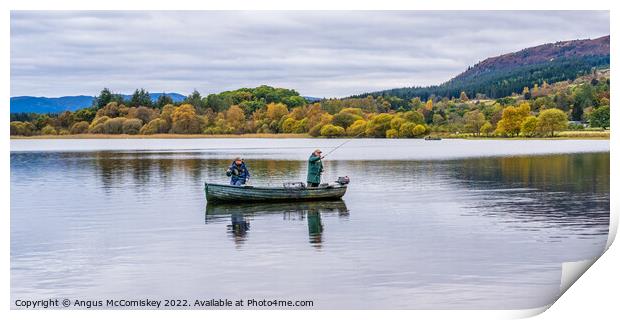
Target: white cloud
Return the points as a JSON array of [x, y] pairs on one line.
[[317, 53]]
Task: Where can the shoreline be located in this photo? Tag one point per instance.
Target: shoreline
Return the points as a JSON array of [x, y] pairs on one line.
[[569, 135]]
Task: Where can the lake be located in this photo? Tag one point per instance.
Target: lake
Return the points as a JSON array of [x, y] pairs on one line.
[[451, 224]]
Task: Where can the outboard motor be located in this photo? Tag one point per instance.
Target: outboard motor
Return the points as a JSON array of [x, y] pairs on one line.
[[343, 180]]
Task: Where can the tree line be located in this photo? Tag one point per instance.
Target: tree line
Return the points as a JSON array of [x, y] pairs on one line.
[[537, 111]]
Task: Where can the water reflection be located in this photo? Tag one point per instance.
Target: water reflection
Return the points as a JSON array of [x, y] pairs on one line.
[[241, 215], [550, 191], [466, 233]]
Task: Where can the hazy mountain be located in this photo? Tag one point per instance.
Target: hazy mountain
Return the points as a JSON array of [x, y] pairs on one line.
[[71, 103]]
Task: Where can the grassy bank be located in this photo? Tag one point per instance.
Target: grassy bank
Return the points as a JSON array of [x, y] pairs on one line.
[[560, 135]]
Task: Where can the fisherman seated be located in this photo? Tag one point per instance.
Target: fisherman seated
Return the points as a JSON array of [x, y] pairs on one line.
[[238, 172]]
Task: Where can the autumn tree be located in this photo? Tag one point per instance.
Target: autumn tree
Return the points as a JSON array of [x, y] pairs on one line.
[[526, 93], [79, 127], [552, 120], [529, 126], [185, 120], [143, 113], [235, 118], [357, 128], [419, 130], [114, 125], [378, 125], [330, 130], [463, 97], [510, 123], [155, 126], [49, 130], [132, 126]]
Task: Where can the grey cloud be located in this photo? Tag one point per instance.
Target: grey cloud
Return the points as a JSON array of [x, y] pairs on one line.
[[324, 53]]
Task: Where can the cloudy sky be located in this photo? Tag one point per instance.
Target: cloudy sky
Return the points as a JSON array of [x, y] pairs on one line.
[[321, 54]]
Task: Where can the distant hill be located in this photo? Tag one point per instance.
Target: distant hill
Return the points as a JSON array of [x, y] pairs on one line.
[[500, 76], [71, 103], [312, 99]]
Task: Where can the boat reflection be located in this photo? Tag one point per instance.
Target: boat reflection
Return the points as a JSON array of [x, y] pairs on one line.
[[240, 216]]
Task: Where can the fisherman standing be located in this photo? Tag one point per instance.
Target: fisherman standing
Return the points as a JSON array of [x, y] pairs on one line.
[[315, 168], [238, 172]]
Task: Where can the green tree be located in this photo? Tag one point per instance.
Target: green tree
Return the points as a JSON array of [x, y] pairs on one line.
[[600, 117], [104, 97], [195, 99], [163, 100], [141, 97], [414, 116], [86, 114], [474, 120], [551, 121], [486, 128]]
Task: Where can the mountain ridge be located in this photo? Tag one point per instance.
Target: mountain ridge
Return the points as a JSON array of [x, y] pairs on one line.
[[502, 75], [541, 53], [35, 104]]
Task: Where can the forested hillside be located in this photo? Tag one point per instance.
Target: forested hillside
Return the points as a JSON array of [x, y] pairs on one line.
[[506, 74]]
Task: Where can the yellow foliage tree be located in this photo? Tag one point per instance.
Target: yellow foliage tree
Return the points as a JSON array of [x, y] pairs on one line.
[[185, 120], [552, 120], [235, 118], [357, 128], [275, 111]]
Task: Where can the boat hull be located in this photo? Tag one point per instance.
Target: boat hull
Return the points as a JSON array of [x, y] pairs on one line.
[[227, 193]]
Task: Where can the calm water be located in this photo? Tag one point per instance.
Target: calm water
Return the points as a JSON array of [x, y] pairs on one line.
[[424, 224]]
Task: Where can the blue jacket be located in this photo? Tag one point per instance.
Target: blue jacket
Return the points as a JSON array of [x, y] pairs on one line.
[[237, 173]]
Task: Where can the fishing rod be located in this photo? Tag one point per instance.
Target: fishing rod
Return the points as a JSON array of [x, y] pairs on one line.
[[342, 144]]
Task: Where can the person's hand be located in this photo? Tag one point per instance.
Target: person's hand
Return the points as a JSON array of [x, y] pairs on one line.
[[322, 157]]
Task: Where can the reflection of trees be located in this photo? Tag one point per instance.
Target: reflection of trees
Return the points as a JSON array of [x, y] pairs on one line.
[[140, 169], [566, 172], [241, 214], [553, 189]]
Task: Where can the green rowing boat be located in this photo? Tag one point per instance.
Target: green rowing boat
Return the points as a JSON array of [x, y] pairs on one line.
[[288, 192]]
